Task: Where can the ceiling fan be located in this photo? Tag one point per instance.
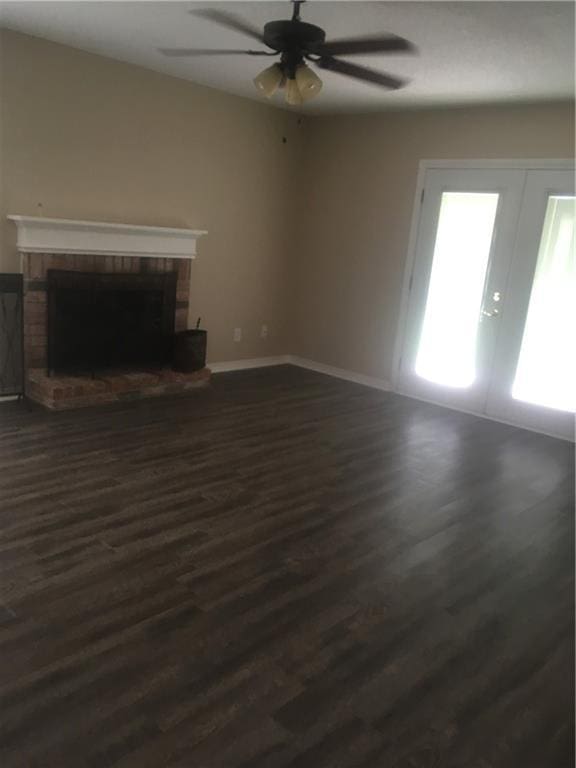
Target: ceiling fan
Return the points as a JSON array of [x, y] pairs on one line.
[[297, 42]]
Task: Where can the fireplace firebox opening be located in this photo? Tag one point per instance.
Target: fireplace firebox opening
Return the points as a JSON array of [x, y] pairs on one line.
[[100, 322]]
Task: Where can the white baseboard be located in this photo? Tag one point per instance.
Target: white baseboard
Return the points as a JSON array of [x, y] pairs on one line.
[[242, 365], [340, 373], [301, 362]]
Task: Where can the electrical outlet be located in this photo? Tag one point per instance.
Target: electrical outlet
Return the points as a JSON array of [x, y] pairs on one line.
[[237, 334], [264, 332]]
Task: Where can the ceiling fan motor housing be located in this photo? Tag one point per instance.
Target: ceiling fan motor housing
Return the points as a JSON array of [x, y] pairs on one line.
[[293, 39], [288, 36]]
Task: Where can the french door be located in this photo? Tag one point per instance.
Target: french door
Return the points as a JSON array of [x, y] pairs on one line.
[[491, 320]]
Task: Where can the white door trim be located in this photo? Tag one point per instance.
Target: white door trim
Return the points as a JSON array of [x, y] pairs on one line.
[[523, 164]]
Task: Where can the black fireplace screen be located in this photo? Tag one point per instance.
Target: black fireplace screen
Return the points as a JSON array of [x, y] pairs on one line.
[[11, 353], [99, 321]]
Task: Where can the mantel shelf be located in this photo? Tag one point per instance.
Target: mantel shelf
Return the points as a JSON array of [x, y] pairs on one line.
[[41, 235]]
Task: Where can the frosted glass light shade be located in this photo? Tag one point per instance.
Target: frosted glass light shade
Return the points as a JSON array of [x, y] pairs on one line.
[[309, 84], [269, 80], [293, 95]]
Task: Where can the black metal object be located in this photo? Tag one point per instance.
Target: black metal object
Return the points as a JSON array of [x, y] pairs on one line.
[[190, 350], [296, 41], [11, 335], [99, 321]]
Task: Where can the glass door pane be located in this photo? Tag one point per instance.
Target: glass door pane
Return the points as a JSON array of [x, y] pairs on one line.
[[447, 350], [546, 371]]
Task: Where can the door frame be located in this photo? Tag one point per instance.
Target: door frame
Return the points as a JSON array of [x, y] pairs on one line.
[[525, 164]]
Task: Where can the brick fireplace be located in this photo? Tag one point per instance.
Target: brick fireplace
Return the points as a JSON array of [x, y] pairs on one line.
[[109, 250]]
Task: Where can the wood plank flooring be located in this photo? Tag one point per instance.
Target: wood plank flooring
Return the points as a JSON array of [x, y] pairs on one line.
[[283, 571]]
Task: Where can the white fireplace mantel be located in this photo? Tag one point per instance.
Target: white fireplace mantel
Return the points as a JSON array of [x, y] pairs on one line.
[[39, 235]]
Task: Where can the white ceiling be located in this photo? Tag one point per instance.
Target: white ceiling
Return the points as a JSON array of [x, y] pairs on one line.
[[470, 52]]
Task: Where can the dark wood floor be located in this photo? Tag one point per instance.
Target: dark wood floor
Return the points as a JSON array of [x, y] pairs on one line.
[[283, 570]]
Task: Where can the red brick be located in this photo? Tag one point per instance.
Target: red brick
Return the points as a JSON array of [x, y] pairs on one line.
[[181, 320], [64, 393], [35, 297], [34, 313], [35, 329], [35, 265], [184, 270]]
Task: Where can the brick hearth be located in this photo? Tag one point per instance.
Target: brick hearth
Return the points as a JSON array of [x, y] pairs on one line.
[[61, 393]]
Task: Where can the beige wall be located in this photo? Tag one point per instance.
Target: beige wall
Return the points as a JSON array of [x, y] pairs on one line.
[[88, 137], [360, 178], [307, 236]]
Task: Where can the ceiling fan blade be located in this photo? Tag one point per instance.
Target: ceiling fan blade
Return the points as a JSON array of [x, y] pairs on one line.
[[230, 21], [359, 45], [359, 73], [175, 52]]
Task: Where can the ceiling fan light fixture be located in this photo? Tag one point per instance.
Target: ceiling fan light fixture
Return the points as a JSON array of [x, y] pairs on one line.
[[295, 41], [269, 80], [293, 95], [309, 84]]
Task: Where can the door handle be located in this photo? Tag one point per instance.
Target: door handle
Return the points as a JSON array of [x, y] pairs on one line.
[[491, 313]]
